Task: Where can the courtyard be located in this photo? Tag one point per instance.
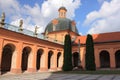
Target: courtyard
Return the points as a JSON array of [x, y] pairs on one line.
[[59, 76]]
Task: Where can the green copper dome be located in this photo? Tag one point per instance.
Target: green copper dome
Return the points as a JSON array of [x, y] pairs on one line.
[[63, 24]]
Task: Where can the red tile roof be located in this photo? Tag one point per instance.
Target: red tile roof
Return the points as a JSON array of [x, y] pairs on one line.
[[103, 37]]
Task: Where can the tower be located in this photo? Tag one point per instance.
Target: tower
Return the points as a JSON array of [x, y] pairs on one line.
[[62, 12]]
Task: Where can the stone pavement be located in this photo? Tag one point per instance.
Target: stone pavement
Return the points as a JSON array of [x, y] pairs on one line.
[[51, 76]]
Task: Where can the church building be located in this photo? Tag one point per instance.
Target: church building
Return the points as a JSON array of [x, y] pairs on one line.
[[22, 50]]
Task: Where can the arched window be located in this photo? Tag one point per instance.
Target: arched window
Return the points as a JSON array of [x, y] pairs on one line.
[[73, 28], [54, 27]]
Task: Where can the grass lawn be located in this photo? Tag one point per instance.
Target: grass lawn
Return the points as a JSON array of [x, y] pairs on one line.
[[90, 72]]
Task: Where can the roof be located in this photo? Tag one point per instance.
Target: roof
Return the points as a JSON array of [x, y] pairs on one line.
[[103, 37], [63, 8], [63, 24]]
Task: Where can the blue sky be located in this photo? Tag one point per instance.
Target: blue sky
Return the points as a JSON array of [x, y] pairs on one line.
[[86, 7], [91, 16]]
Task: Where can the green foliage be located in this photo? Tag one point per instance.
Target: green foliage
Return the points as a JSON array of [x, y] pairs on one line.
[[89, 56], [67, 63]]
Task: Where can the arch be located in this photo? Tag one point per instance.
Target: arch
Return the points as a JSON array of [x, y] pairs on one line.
[[75, 59], [38, 59], [50, 54], [117, 58], [58, 59], [7, 54], [104, 59], [25, 55]]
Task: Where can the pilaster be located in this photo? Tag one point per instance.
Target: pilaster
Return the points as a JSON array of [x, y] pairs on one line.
[[54, 60], [17, 68], [44, 60], [1, 48], [32, 63], [97, 58], [112, 59]]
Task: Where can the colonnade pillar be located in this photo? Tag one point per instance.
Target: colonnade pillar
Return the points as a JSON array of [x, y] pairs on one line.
[[82, 53], [1, 48], [32, 60], [60, 61], [54, 60], [112, 59], [17, 68], [97, 58], [44, 60]]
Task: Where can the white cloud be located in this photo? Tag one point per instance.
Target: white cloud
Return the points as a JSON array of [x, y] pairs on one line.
[[10, 7], [80, 33], [37, 15], [106, 19]]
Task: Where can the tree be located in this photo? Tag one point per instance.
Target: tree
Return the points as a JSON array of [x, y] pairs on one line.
[[67, 63], [89, 56]]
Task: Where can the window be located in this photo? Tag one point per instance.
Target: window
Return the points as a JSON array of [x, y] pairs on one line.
[[54, 27]]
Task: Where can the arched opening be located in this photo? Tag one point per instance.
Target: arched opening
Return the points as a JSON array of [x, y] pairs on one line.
[[6, 61], [50, 54], [58, 59], [25, 55], [104, 59], [117, 59], [38, 60], [75, 59]]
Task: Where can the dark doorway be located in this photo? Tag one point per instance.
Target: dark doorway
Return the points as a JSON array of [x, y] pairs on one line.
[[75, 59], [58, 57], [25, 55], [104, 59], [117, 59], [50, 54], [7, 58], [38, 60]]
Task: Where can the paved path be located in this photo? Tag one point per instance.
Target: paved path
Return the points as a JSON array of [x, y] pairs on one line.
[[50, 76]]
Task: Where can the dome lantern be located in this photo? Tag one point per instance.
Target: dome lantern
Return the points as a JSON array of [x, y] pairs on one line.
[[62, 12]]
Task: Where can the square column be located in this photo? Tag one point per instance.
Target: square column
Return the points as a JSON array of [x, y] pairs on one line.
[[1, 48], [17, 67], [97, 58], [54, 60], [112, 59], [60, 61], [44, 60], [32, 60]]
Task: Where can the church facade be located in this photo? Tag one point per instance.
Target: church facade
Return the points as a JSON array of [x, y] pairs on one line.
[[22, 50]]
